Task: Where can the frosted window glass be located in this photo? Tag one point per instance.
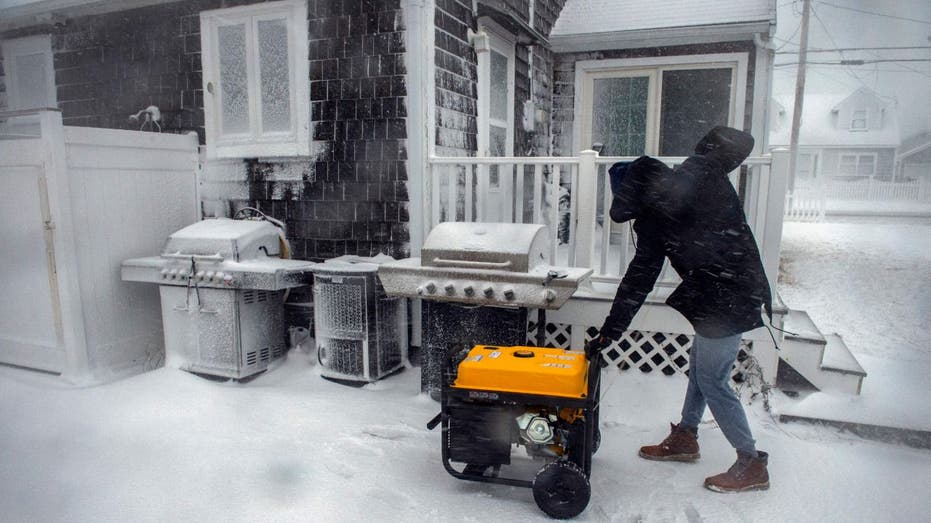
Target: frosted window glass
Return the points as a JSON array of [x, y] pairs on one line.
[[273, 63], [619, 115], [31, 81], [499, 86], [234, 81]]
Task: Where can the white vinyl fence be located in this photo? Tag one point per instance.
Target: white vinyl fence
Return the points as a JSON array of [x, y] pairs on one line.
[[78, 202]]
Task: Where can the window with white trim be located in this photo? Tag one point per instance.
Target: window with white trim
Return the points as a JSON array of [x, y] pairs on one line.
[[30, 79], [856, 165], [256, 100], [859, 120]]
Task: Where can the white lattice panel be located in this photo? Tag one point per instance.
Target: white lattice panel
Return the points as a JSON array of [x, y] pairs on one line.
[[666, 352], [556, 335]]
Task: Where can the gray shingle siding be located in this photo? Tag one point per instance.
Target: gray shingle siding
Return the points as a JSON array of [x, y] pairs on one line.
[[350, 197]]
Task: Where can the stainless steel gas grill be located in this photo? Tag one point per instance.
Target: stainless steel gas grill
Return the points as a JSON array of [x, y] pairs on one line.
[[222, 285], [478, 281], [495, 264]]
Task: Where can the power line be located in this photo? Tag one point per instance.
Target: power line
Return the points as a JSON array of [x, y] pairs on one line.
[[843, 49], [824, 26], [904, 68], [859, 62], [874, 13]]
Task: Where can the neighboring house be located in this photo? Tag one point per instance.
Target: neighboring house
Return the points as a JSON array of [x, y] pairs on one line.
[[913, 158], [848, 137], [330, 115]]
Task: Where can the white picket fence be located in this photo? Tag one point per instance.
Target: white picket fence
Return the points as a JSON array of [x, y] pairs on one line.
[[810, 199]]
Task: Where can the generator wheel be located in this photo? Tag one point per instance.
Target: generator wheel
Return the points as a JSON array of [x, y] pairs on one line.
[[561, 489], [596, 440]]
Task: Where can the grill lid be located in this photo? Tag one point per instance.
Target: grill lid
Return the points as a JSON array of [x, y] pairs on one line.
[[511, 247], [235, 240]]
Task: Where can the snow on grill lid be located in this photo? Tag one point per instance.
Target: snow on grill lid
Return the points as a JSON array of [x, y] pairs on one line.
[[232, 239], [515, 247]]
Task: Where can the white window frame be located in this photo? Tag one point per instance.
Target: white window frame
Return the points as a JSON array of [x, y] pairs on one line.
[[857, 158], [497, 199], [256, 143], [501, 42], [38, 44], [587, 70], [866, 120]]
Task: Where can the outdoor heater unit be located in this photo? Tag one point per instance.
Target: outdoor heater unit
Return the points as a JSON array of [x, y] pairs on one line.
[[361, 333], [222, 285]]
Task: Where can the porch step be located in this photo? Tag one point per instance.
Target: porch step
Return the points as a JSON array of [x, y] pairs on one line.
[[838, 358], [802, 327], [823, 361]]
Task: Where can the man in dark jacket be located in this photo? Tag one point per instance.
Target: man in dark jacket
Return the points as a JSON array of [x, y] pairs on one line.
[[693, 216]]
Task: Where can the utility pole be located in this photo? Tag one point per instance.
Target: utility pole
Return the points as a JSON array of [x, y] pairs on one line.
[[799, 95]]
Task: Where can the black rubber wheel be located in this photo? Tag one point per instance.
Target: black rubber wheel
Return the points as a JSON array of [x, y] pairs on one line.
[[596, 440], [561, 490]]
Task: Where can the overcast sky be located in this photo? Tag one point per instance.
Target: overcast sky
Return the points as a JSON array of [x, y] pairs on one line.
[[908, 83]]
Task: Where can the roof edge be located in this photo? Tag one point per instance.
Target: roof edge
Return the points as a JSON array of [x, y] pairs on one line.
[[49, 11], [657, 37]]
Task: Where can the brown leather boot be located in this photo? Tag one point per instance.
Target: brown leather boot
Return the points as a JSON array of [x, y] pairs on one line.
[[747, 473], [680, 445]]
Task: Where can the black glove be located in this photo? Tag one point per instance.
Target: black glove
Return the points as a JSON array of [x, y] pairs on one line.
[[593, 348]]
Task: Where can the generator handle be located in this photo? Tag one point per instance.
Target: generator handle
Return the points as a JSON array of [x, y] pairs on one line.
[[435, 421]]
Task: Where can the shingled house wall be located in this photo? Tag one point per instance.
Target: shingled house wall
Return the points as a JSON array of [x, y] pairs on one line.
[[349, 197]]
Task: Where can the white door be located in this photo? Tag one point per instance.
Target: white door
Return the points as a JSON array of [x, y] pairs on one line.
[[496, 125], [30, 311]]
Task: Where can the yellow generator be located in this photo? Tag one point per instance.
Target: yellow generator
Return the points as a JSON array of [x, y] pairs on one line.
[[497, 399]]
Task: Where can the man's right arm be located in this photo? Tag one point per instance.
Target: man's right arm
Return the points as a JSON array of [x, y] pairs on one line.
[[638, 281]]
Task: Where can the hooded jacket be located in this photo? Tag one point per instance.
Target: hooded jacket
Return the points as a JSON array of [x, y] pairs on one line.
[[693, 216]]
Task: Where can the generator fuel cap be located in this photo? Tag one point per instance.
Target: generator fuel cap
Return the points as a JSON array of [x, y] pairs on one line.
[[523, 354]]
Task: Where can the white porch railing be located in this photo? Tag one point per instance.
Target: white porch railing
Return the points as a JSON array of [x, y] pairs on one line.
[[581, 232]]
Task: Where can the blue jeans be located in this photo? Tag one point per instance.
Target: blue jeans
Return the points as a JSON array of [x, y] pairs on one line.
[[710, 363]]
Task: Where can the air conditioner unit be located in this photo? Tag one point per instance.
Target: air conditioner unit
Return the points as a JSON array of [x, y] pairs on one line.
[[360, 332]]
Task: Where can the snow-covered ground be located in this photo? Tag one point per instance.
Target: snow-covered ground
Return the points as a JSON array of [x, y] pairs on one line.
[[292, 446], [868, 279]]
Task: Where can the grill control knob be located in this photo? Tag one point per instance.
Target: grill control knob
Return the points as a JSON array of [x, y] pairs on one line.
[[228, 279], [468, 290], [172, 274], [164, 273], [549, 295], [200, 275], [489, 291], [508, 293], [209, 276], [430, 287], [218, 277], [449, 288]]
